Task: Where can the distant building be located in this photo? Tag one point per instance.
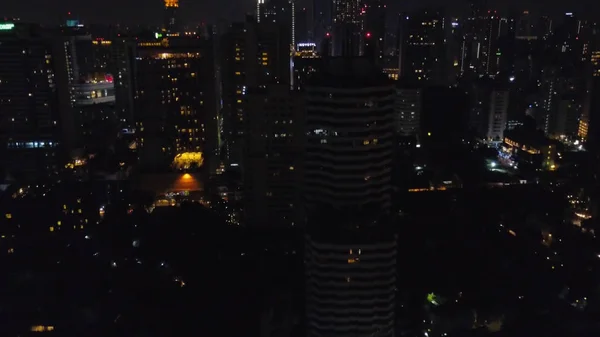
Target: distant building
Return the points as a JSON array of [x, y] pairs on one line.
[[530, 148], [273, 153], [497, 118], [408, 112], [422, 47], [176, 123], [31, 124], [253, 55]]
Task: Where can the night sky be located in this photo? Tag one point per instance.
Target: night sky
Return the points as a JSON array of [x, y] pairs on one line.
[[195, 11]]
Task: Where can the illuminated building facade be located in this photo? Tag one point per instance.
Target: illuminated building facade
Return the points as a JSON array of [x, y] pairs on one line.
[[374, 30], [254, 55], [88, 70], [422, 47], [347, 27], [408, 111], [306, 62], [30, 121], [122, 68], [481, 49], [171, 26], [532, 149], [176, 121], [589, 128], [280, 12]]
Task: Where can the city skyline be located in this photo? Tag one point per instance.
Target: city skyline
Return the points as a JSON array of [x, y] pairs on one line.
[[137, 12]]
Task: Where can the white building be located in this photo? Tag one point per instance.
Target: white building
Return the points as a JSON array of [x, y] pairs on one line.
[[498, 115]]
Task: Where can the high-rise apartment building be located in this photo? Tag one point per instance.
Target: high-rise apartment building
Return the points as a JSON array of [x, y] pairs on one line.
[[171, 26], [176, 122], [30, 120], [498, 114], [374, 30], [351, 276], [481, 54], [422, 39], [347, 28], [123, 69], [273, 153], [254, 55], [408, 111], [350, 265], [350, 127]]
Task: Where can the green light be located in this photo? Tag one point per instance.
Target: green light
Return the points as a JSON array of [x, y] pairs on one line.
[[432, 298], [158, 35], [7, 26]]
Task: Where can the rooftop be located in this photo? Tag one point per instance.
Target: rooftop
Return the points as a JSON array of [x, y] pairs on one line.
[[353, 72]]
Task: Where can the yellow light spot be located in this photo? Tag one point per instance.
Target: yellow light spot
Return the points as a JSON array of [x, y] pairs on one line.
[[51, 228], [41, 328], [187, 159]]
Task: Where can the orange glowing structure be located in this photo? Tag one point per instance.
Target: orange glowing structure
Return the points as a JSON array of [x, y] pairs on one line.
[[186, 183], [187, 160], [171, 3]]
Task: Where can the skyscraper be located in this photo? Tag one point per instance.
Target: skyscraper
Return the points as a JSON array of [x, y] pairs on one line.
[[254, 55], [374, 31], [350, 252], [30, 121], [348, 27], [274, 141], [177, 120], [171, 25], [422, 38]]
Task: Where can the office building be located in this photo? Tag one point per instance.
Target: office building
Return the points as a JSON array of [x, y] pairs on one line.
[[307, 61], [374, 30]]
